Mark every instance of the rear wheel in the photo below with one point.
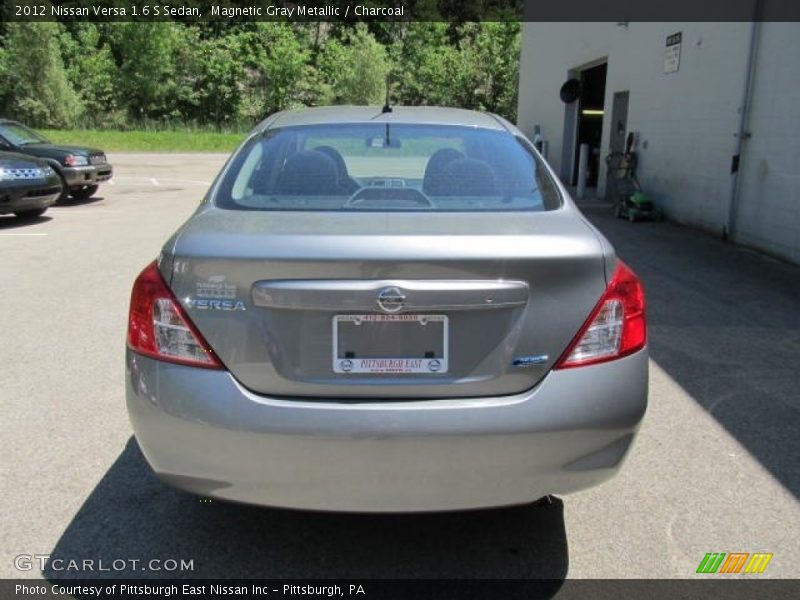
(30, 214)
(84, 192)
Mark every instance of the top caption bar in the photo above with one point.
(402, 10)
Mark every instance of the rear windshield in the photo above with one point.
(384, 167)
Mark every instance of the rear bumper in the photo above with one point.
(202, 432)
(89, 175)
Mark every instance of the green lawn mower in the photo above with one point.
(630, 202)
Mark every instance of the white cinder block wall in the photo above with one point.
(686, 120)
(769, 206)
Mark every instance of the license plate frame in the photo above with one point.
(391, 365)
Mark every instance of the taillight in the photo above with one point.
(75, 161)
(615, 328)
(159, 327)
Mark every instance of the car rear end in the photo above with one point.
(86, 167)
(452, 345)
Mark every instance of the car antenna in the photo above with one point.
(387, 108)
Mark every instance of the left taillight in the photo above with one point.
(158, 326)
(75, 161)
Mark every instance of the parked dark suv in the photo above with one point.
(28, 185)
(80, 169)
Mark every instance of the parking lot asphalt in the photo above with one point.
(716, 467)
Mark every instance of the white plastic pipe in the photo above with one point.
(583, 165)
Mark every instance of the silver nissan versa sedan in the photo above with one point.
(386, 310)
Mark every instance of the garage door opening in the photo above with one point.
(590, 121)
(583, 122)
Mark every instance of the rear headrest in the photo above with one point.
(467, 177)
(308, 173)
(432, 181)
(336, 157)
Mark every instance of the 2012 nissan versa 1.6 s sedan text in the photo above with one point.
(386, 310)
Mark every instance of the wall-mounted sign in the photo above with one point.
(672, 53)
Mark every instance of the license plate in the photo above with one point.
(390, 344)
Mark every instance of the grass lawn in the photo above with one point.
(147, 141)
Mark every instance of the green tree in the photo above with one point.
(474, 65)
(219, 89)
(183, 92)
(34, 79)
(356, 67)
(5, 85)
(226, 74)
(489, 75)
(92, 72)
(276, 64)
(149, 78)
(426, 65)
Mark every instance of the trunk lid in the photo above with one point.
(485, 303)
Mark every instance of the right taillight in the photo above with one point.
(158, 326)
(615, 328)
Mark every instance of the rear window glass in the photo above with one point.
(386, 167)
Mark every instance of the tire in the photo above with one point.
(64, 190)
(30, 214)
(84, 192)
(544, 501)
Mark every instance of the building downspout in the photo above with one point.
(729, 229)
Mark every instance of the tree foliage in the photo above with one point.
(34, 81)
(92, 72)
(356, 68)
(229, 75)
